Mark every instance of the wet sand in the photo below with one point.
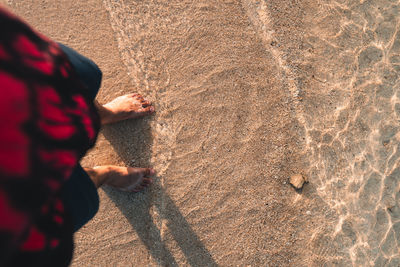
(350, 89)
(247, 93)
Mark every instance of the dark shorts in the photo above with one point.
(79, 193)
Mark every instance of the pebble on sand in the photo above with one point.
(297, 180)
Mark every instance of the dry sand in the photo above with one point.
(247, 94)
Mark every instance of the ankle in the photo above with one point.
(98, 175)
(104, 113)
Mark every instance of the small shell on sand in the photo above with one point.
(297, 180)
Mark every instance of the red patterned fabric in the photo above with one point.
(47, 123)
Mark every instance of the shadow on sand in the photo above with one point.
(132, 141)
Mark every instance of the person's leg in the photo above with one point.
(80, 197)
(79, 193)
(89, 73)
(124, 107)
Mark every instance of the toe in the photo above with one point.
(146, 103)
(144, 185)
(149, 172)
(148, 110)
(138, 188)
(147, 181)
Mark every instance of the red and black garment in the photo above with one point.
(47, 123)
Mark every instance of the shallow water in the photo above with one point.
(343, 67)
(349, 89)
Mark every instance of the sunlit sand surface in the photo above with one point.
(247, 94)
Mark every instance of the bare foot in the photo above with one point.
(125, 107)
(123, 178)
